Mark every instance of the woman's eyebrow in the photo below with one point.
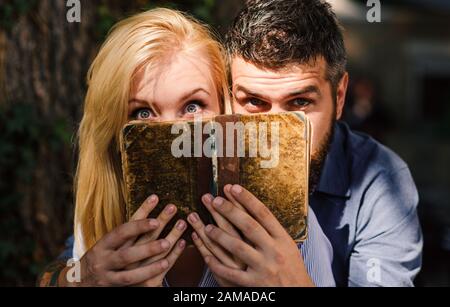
(153, 106)
(138, 101)
(193, 92)
(184, 97)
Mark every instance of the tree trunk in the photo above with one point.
(43, 64)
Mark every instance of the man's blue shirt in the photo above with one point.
(366, 203)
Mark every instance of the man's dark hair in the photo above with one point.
(274, 33)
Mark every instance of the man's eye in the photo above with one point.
(299, 102)
(193, 108)
(144, 113)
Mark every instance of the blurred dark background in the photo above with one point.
(399, 93)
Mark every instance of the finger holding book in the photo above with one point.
(207, 247)
(163, 218)
(169, 256)
(173, 256)
(199, 234)
(205, 252)
(176, 246)
(143, 213)
(172, 238)
(218, 218)
(250, 228)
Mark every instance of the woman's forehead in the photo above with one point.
(174, 80)
(180, 70)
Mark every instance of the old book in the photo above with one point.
(268, 154)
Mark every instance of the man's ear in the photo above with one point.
(341, 93)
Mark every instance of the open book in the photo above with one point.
(268, 154)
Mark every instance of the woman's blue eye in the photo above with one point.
(144, 113)
(192, 108)
(256, 102)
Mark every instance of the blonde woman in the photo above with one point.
(158, 65)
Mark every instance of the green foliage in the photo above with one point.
(201, 9)
(22, 132)
(204, 10)
(106, 20)
(10, 10)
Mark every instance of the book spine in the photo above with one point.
(228, 165)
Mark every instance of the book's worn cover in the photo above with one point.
(149, 167)
(284, 187)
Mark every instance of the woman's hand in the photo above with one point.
(209, 248)
(176, 246)
(120, 259)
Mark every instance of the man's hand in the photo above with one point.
(270, 255)
(209, 248)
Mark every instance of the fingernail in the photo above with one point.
(207, 259)
(152, 198)
(182, 244)
(227, 188)
(165, 244)
(165, 264)
(180, 225)
(170, 209)
(195, 236)
(208, 228)
(153, 223)
(218, 201)
(208, 198)
(193, 217)
(236, 189)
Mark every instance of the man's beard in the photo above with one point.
(319, 156)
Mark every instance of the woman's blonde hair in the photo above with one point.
(143, 40)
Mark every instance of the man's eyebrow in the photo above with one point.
(307, 90)
(240, 88)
